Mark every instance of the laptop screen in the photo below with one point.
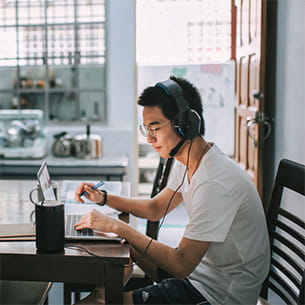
(45, 182)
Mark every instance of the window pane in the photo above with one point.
(8, 47)
(63, 106)
(30, 12)
(7, 101)
(31, 45)
(32, 77)
(8, 77)
(62, 76)
(90, 11)
(91, 43)
(92, 77)
(7, 13)
(61, 44)
(32, 100)
(92, 106)
(61, 11)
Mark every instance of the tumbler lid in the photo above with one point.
(51, 203)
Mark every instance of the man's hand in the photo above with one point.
(93, 195)
(97, 221)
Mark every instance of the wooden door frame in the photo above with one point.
(268, 154)
(270, 107)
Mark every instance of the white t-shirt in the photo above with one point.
(225, 209)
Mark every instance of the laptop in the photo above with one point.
(73, 210)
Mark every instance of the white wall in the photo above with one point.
(290, 83)
(121, 79)
(121, 63)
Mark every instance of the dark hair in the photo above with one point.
(155, 96)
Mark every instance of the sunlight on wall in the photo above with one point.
(184, 31)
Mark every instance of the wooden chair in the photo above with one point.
(25, 293)
(286, 278)
(138, 279)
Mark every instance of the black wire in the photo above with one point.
(82, 249)
(165, 213)
(157, 229)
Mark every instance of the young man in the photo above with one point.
(223, 256)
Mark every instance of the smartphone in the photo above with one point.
(100, 183)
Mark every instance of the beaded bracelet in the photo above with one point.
(105, 198)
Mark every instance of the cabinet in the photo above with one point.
(111, 169)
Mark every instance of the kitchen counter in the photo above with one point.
(106, 168)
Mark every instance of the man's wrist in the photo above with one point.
(105, 198)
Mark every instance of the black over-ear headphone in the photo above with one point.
(187, 121)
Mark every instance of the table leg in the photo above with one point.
(114, 287)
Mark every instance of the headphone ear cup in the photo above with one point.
(179, 124)
(193, 124)
(179, 131)
(187, 124)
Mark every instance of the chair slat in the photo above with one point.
(289, 244)
(276, 277)
(280, 293)
(286, 272)
(291, 231)
(288, 259)
(300, 222)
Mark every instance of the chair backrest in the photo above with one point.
(160, 181)
(287, 237)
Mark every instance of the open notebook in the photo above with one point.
(74, 210)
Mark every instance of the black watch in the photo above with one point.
(105, 199)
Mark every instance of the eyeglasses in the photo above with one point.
(147, 129)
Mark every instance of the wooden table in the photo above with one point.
(19, 260)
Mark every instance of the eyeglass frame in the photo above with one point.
(146, 129)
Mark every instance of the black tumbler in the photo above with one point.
(50, 226)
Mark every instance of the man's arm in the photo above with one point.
(179, 261)
(152, 209)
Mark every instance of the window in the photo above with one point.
(183, 31)
(52, 57)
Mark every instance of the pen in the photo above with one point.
(100, 183)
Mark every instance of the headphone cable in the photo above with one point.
(165, 213)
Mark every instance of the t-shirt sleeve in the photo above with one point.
(212, 214)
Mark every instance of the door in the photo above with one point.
(250, 72)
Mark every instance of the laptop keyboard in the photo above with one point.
(71, 220)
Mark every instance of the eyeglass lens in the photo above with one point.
(143, 129)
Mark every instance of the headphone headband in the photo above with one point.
(187, 121)
(172, 88)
